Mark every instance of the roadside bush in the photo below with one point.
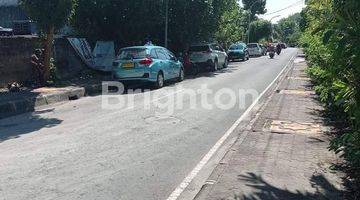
(331, 41)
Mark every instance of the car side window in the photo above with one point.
(166, 53)
(161, 54)
(153, 54)
(172, 56)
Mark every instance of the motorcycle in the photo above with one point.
(271, 50)
(271, 54)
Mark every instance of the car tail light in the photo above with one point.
(146, 61)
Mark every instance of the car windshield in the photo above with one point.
(199, 48)
(252, 45)
(236, 47)
(133, 53)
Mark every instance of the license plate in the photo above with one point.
(128, 65)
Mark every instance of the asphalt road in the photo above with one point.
(78, 150)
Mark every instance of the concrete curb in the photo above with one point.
(29, 104)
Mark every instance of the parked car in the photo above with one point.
(6, 31)
(152, 64)
(238, 51)
(263, 49)
(208, 56)
(254, 49)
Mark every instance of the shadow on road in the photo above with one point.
(15, 127)
(267, 191)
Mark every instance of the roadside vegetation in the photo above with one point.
(50, 16)
(132, 22)
(331, 41)
(288, 30)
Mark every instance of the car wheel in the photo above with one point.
(226, 63)
(160, 80)
(215, 66)
(181, 75)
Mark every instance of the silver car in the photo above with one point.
(255, 49)
(209, 56)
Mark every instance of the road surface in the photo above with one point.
(78, 150)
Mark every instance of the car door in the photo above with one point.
(165, 65)
(174, 63)
(220, 54)
(223, 54)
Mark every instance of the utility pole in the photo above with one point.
(166, 22)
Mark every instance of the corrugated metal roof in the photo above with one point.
(8, 2)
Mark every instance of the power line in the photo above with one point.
(292, 5)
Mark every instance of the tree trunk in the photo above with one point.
(48, 52)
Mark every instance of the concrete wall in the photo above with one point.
(15, 55)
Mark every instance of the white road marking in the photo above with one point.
(185, 183)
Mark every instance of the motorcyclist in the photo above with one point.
(271, 50)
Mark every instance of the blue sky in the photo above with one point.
(292, 7)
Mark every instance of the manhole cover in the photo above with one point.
(289, 127)
(298, 92)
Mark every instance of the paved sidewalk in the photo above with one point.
(284, 155)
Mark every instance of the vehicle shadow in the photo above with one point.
(264, 190)
(229, 69)
(15, 127)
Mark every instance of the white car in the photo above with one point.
(210, 56)
(255, 49)
(6, 31)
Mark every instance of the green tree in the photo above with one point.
(131, 22)
(50, 15)
(288, 29)
(256, 7)
(260, 29)
(231, 27)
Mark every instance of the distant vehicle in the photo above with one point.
(6, 31)
(208, 56)
(238, 51)
(263, 49)
(283, 45)
(254, 49)
(152, 64)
